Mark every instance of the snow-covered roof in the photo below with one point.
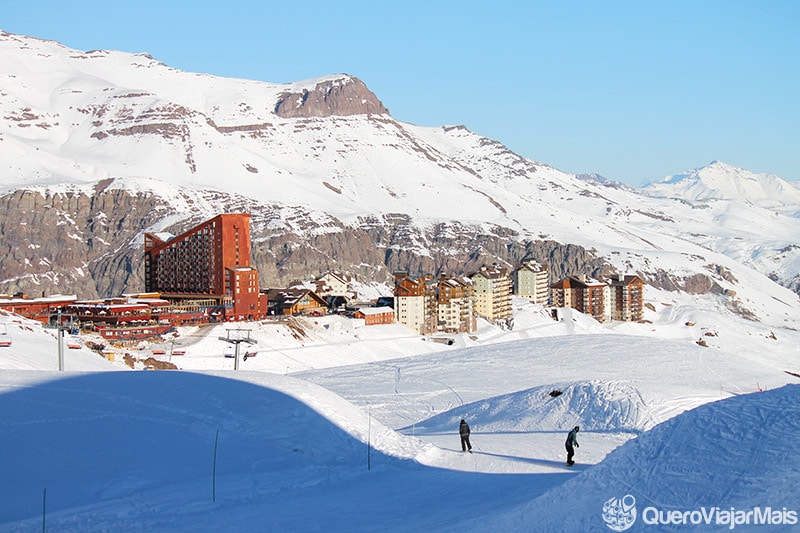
(370, 311)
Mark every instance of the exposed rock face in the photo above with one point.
(72, 243)
(346, 96)
(91, 246)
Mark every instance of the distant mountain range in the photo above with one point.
(720, 181)
(100, 146)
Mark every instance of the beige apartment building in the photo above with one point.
(492, 286)
(531, 280)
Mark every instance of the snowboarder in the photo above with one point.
(463, 430)
(571, 444)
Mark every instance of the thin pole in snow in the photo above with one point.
(60, 337)
(44, 508)
(214, 471)
(369, 440)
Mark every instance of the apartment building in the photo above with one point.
(492, 286)
(415, 303)
(427, 306)
(582, 293)
(621, 298)
(455, 304)
(627, 298)
(531, 280)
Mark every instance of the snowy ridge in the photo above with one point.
(720, 181)
(727, 455)
(598, 406)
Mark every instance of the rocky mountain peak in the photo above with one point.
(331, 97)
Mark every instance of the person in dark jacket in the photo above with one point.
(571, 444)
(463, 430)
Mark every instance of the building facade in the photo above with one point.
(333, 284)
(427, 306)
(373, 316)
(627, 298)
(415, 303)
(455, 303)
(39, 309)
(581, 293)
(531, 280)
(296, 301)
(492, 293)
(211, 260)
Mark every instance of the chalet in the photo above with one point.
(296, 301)
(375, 315)
(333, 284)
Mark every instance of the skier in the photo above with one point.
(463, 430)
(571, 444)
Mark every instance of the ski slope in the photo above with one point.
(303, 438)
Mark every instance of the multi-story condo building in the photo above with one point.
(446, 305)
(415, 303)
(455, 302)
(492, 293)
(621, 298)
(582, 293)
(208, 262)
(627, 298)
(531, 280)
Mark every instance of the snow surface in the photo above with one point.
(364, 169)
(338, 426)
(334, 425)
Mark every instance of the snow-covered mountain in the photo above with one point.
(100, 146)
(719, 181)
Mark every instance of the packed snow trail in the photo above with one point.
(737, 453)
(127, 451)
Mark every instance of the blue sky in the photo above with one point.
(633, 90)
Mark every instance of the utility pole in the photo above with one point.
(236, 337)
(60, 337)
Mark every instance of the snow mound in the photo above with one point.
(595, 405)
(93, 438)
(737, 453)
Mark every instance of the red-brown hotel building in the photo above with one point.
(209, 262)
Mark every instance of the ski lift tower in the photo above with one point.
(236, 337)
